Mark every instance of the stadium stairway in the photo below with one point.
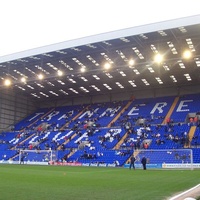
(119, 114)
(121, 141)
(72, 153)
(135, 153)
(73, 119)
(14, 156)
(65, 125)
(73, 136)
(171, 110)
(22, 142)
(43, 116)
(190, 135)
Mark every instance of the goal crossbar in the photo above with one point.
(167, 158)
(37, 156)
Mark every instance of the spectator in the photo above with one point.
(132, 162)
(145, 145)
(116, 162)
(144, 162)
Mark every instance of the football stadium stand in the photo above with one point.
(107, 134)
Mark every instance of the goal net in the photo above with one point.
(165, 158)
(37, 156)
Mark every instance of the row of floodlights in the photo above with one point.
(8, 82)
(157, 59)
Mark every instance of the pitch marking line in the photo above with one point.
(185, 192)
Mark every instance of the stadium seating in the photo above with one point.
(87, 129)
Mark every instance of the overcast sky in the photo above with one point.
(27, 24)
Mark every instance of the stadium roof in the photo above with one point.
(85, 62)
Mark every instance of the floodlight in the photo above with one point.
(187, 54)
(158, 58)
(7, 82)
(82, 69)
(60, 73)
(40, 76)
(23, 80)
(131, 62)
(107, 66)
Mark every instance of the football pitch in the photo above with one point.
(28, 182)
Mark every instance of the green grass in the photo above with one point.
(22, 182)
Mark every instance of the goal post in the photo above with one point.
(37, 156)
(165, 158)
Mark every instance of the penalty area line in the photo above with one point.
(179, 195)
